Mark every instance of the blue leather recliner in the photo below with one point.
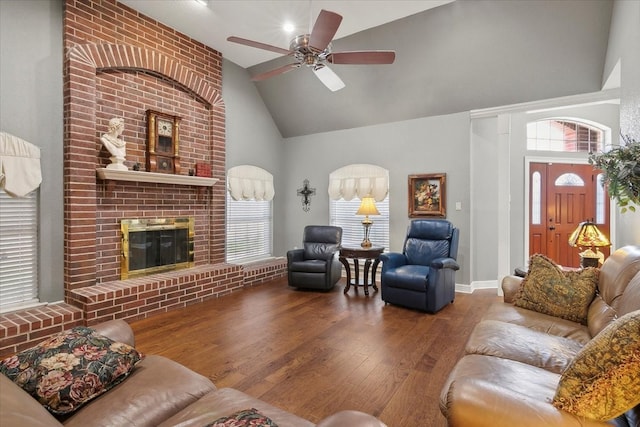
(316, 265)
(422, 277)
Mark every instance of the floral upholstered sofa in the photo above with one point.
(95, 377)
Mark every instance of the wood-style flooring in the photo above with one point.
(315, 353)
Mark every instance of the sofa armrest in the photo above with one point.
(440, 263)
(117, 330)
(483, 404)
(18, 408)
(510, 286)
(351, 419)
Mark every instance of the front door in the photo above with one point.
(561, 196)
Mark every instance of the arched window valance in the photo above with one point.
(359, 180)
(20, 172)
(248, 182)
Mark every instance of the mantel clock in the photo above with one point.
(162, 143)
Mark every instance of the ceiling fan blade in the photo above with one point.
(328, 78)
(363, 57)
(259, 45)
(275, 72)
(324, 29)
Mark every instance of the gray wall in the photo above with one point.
(31, 108)
(252, 137)
(428, 145)
(460, 56)
(624, 42)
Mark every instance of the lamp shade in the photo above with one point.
(588, 235)
(368, 207)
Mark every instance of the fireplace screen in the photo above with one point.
(155, 245)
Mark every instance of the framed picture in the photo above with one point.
(427, 195)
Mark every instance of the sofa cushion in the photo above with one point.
(516, 379)
(157, 389)
(71, 368)
(538, 321)
(225, 401)
(516, 342)
(244, 418)
(550, 290)
(602, 382)
(410, 276)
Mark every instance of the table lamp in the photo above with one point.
(587, 235)
(367, 207)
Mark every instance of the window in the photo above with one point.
(536, 205)
(343, 214)
(249, 230)
(564, 135)
(569, 180)
(601, 200)
(18, 250)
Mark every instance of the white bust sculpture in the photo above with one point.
(116, 146)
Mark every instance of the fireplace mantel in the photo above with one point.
(160, 178)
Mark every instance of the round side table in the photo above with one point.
(371, 257)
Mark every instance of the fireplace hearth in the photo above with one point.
(155, 245)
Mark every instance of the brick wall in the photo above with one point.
(119, 63)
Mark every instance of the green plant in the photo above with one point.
(621, 167)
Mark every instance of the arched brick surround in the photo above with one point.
(85, 61)
(124, 57)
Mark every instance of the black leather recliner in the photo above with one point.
(316, 265)
(423, 275)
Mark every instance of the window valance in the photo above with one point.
(247, 182)
(359, 180)
(20, 171)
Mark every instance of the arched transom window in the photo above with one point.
(564, 135)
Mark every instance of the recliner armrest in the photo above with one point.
(445, 263)
(392, 260)
(295, 255)
(328, 256)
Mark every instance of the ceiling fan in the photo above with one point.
(314, 51)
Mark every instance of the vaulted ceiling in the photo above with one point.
(451, 56)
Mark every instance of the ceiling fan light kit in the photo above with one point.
(314, 50)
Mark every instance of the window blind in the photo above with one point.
(18, 250)
(249, 230)
(343, 214)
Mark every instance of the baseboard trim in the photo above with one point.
(484, 284)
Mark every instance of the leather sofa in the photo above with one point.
(159, 392)
(515, 357)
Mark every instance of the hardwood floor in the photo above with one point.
(315, 353)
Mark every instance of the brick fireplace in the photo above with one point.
(119, 63)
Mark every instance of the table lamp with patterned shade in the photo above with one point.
(367, 207)
(587, 235)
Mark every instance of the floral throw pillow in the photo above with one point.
(71, 368)
(247, 417)
(550, 290)
(602, 381)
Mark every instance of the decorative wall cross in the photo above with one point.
(306, 192)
